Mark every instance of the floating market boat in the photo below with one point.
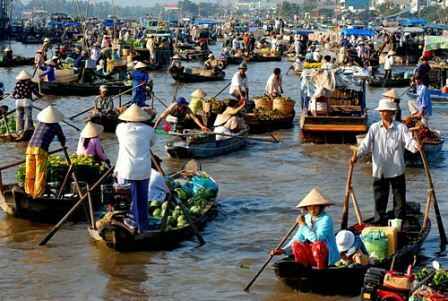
(81, 89)
(259, 125)
(348, 280)
(196, 75)
(234, 60)
(13, 137)
(257, 57)
(17, 61)
(388, 83)
(205, 145)
(338, 116)
(118, 233)
(110, 120)
(433, 152)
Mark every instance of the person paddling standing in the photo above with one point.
(239, 87)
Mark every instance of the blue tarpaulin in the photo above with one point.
(204, 22)
(303, 32)
(108, 22)
(359, 32)
(413, 22)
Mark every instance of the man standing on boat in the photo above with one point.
(140, 79)
(273, 86)
(423, 70)
(421, 108)
(387, 140)
(239, 87)
(133, 166)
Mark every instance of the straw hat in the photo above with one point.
(23, 75)
(46, 40)
(386, 105)
(344, 240)
(104, 88)
(199, 93)
(50, 115)
(91, 130)
(140, 65)
(390, 94)
(313, 198)
(134, 114)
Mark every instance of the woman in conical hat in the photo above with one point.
(197, 98)
(90, 144)
(314, 244)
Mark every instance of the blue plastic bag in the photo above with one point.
(203, 183)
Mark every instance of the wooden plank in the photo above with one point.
(335, 127)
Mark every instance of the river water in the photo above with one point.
(259, 188)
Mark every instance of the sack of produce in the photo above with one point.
(284, 105)
(204, 182)
(376, 243)
(263, 103)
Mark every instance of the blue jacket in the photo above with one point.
(321, 230)
(139, 94)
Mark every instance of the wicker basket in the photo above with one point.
(283, 106)
(263, 103)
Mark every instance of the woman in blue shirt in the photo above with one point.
(314, 240)
(140, 79)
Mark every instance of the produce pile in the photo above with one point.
(11, 125)
(307, 65)
(197, 193)
(424, 134)
(86, 169)
(218, 106)
(268, 115)
(435, 289)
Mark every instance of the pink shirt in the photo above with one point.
(94, 149)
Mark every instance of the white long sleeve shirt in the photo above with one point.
(273, 85)
(238, 82)
(134, 152)
(387, 147)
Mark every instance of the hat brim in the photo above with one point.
(379, 109)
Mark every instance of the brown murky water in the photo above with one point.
(259, 187)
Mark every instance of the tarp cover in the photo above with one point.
(359, 32)
(436, 42)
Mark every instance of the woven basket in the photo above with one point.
(263, 103)
(283, 106)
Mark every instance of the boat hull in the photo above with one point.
(80, 89)
(388, 83)
(258, 126)
(196, 78)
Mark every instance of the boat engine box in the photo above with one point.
(398, 281)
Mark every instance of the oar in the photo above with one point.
(282, 242)
(443, 238)
(222, 90)
(348, 186)
(182, 206)
(63, 121)
(67, 215)
(115, 96)
(160, 100)
(275, 139)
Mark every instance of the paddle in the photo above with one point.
(67, 215)
(160, 100)
(115, 96)
(63, 121)
(274, 139)
(282, 242)
(222, 90)
(432, 196)
(178, 202)
(348, 185)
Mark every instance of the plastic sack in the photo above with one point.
(203, 182)
(376, 243)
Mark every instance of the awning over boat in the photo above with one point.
(358, 32)
(436, 42)
(413, 22)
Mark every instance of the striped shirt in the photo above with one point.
(44, 134)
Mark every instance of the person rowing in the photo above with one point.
(314, 243)
(228, 123)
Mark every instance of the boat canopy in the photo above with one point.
(413, 22)
(358, 32)
(436, 42)
(204, 22)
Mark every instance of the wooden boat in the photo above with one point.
(388, 83)
(264, 58)
(234, 60)
(110, 120)
(349, 280)
(13, 137)
(258, 126)
(432, 150)
(210, 147)
(196, 75)
(81, 89)
(17, 61)
(117, 234)
(435, 94)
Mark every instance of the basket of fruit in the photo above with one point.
(263, 103)
(284, 105)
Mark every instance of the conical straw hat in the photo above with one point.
(313, 198)
(50, 115)
(134, 114)
(390, 94)
(91, 130)
(140, 65)
(23, 75)
(198, 93)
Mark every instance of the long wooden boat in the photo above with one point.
(206, 149)
(264, 58)
(388, 83)
(17, 61)
(435, 94)
(433, 152)
(349, 280)
(117, 234)
(258, 126)
(234, 60)
(190, 77)
(13, 137)
(81, 89)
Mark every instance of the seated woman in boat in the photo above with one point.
(176, 64)
(103, 102)
(179, 113)
(90, 144)
(228, 123)
(314, 244)
(351, 249)
(157, 190)
(197, 99)
(49, 71)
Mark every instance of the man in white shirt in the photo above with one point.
(238, 87)
(388, 63)
(274, 84)
(387, 140)
(236, 43)
(134, 160)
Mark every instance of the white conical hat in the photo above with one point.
(134, 114)
(50, 115)
(23, 75)
(198, 93)
(386, 105)
(390, 94)
(91, 130)
(314, 197)
(140, 65)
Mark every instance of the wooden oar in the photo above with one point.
(273, 140)
(178, 202)
(115, 96)
(160, 100)
(63, 121)
(70, 212)
(282, 242)
(348, 185)
(222, 90)
(432, 196)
